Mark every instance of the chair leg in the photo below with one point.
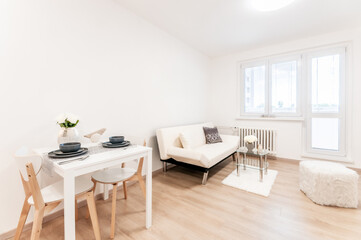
(142, 185)
(87, 215)
(37, 224)
(94, 186)
(114, 206)
(93, 214)
(125, 189)
(22, 219)
(76, 210)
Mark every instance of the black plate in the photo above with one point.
(117, 144)
(111, 145)
(59, 152)
(53, 155)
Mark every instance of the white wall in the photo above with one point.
(222, 109)
(95, 59)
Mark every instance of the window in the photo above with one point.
(326, 115)
(325, 133)
(309, 86)
(255, 85)
(325, 83)
(270, 88)
(284, 87)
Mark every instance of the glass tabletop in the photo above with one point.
(255, 151)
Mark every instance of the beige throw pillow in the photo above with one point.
(186, 140)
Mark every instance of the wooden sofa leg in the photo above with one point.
(164, 166)
(234, 157)
(205, 177)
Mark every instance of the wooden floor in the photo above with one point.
(185, 209)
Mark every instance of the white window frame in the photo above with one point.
(242, 87)
(341, 115)
(267, 62)
(304, 103)
(298, 59)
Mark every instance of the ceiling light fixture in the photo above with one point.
(269, 5)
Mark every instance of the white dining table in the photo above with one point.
(94, 162)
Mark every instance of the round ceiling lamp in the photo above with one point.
(269, 5)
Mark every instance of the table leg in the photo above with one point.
(238, 162)
(266, 164)
(261, 168)
(148, 204)
(69, 206)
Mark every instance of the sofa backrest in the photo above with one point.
(169, 137)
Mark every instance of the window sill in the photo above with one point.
(326, 157)
(296, 119)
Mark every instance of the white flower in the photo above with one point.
(72, 118)
(250, 139)
(61, 118)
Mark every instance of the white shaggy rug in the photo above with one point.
(249, 181)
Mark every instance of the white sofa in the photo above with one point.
(198, 154)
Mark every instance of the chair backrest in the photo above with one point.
(141, 160)
(29, 165)
(32, 187)
(95, 136)
(25, 156)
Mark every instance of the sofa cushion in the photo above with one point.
(206, 155)
(211, 135)
(213, 153)
(185, 155)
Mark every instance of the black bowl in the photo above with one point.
(116, 139)
(69, 147)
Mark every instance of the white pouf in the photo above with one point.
(328, 183)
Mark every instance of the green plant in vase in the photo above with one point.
(68, 132)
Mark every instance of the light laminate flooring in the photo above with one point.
(185, 209)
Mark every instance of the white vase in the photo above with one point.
(250, 147)
(68, 135)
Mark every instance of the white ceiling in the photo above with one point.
(218, 27)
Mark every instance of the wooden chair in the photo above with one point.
(46, 199)
(95, 136)
(116, 175)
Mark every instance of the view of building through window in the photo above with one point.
(271, 88)
(255, 85)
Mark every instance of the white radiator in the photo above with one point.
(266, 137)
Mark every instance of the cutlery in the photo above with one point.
(72, 160)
